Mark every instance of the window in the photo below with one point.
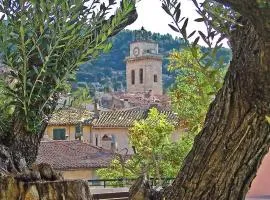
(96, 136)
(113, 139)
(155, 78)
(78, 131)
(78, 128)
(114, 142)
(59, 134)
(132, 77)
(141, 76)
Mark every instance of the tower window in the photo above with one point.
(155, 78)
(141, 76)
(132, 77)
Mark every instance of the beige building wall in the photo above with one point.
(143, 46)
(84, 174)
(151, 67)
(70, 132)
(144, 55)
(120, 134)
(86, 133)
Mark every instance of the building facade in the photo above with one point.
(144, 68)
(70, 124)
(116, 125)
(75, 124)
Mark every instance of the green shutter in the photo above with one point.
(78, 128)
(59, 134)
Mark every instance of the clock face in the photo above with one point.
(136, 51)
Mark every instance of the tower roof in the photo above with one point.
(142, 35)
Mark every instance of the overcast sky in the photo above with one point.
(153, 18)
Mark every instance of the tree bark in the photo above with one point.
(25, 145)
(19, 148)
(236, 136)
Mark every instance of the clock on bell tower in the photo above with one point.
(136, 51)
(144, 68)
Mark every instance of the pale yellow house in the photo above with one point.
(78, 142)
(70, 124)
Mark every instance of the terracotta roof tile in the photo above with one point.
(70, 116)
(126, 118)
(75, 154)
(142, 99)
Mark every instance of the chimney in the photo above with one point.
(96, 112)
(148, 94)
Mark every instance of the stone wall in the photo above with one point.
(12, 189)
(82, 174)
(151, 65)
(144, 58)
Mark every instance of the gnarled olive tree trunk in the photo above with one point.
(236, 135)
(19, 147)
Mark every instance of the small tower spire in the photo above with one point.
(141, 35)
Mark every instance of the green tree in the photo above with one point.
(81, 97)
(156, 155)
(194, 88)
(150, 137)
(42, 44)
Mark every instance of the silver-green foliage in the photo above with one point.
(199, 74)
(44, 42)
(193, 89)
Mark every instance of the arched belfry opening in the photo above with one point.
(143, 63)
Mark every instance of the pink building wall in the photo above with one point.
(260, 186)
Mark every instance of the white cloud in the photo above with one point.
(153, 18)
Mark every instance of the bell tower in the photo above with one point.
(144, 66)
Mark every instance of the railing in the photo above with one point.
(118, 196)
(124, 182)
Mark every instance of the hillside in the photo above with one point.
(108, 70)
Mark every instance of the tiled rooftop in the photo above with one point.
(126, 118)
(114, 118)
(70, 116)
(144, 99)
(75, 154)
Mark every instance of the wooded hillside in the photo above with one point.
(109, 69)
